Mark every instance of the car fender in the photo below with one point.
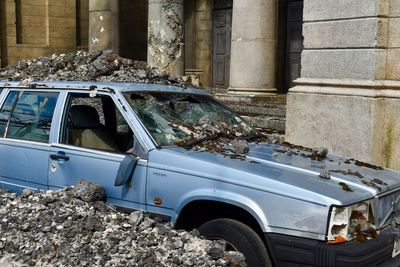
(238, 200)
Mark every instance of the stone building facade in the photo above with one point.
(339, 57)
(230, 44)
(31, 28)
(348, 96)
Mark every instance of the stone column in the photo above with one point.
(253, 47)
(166, 35)
(348, 96)
(204, 39)
(103, 25)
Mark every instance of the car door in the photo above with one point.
(25, 125)
(93, 140)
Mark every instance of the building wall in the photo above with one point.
(393, 50)
(190, 31)
(203, 39)
(31, 18)
(41, 27)
(82, 23)
(1, 31)
(348, 98)
(133, 16)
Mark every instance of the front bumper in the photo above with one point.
(292, 251)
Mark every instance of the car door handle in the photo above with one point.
(59, 156)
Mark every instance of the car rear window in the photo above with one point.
(27, 115)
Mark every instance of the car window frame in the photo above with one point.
(64, 113)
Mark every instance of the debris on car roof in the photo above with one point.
(100, 66)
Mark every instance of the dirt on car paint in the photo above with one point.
(348, 172)
(345, 187)
(367, 165)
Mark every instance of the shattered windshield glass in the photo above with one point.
(185, 119)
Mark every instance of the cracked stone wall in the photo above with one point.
(166, 35)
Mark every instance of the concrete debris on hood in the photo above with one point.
(315, 154)
(100, 66)
(60, 229)
(230, 141)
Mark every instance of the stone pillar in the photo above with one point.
(348, 96)
(253, 47)
(204, 39)
(166, 35)
(3, 35)
(103, 25)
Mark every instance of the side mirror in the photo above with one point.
(125, 170)
(138, 150)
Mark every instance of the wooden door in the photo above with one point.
(294, 42)
(222, 43)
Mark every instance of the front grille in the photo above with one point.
(383, 204)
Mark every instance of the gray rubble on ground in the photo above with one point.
(61, 229)
(100, 66)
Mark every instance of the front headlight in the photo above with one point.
(355, 222)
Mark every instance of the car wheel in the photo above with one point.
(239, 237)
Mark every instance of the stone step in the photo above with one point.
(250, 110)
(276, 123)
(264, 111)
(254, 100)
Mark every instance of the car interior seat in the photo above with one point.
(87, 131)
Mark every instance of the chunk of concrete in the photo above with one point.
(88, 191)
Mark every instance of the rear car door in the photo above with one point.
(25, 125)
(94, 138)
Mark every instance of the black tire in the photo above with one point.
(241, 237)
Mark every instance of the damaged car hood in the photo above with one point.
(277, 169)
(351, 175)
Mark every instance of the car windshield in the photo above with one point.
(183, 118)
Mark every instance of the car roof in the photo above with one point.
(108, 86)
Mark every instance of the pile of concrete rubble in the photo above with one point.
(100, 66)
(73, 227)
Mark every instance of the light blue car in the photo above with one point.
(158, 149)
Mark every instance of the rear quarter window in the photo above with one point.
(27, 115)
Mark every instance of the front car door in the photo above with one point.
(93, 140)
(25, 125)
